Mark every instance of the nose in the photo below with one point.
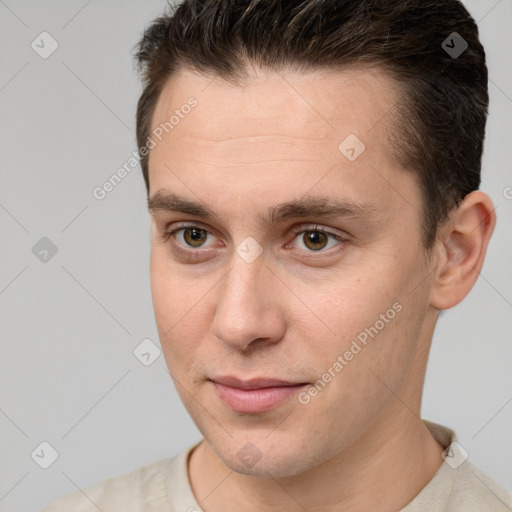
(249, 312)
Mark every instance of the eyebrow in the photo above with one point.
(318, 206)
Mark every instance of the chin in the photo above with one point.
(267, 461)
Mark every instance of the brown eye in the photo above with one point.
(194, 237)
(315, 240)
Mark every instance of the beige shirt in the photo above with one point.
(164, 487)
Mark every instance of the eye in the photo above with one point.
(317, 239)
(187, 237)
(191, 236)
(309, 238)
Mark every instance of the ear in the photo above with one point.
(460, 249)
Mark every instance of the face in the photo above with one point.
(301, 261)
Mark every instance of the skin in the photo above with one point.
(360, 442)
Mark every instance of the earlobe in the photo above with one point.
(462, 245)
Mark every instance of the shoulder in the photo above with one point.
(125, 492)
(473, 490)
(458, 486)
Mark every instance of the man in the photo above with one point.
(312, 170)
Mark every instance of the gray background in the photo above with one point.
(68, 375)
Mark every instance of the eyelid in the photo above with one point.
(295, 230)
(315, 227)
(329, 232)
(168, 233)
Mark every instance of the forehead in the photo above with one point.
(276, 137)
(314, 104)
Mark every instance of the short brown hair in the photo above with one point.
(439, 123)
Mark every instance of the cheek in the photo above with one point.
(174, 290)
(348, 304)
(179, 310)
(371, 320)
(355, 377)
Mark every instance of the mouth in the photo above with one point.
(256, 395)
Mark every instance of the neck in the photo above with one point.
(385, 469)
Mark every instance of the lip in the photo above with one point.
(255, 395)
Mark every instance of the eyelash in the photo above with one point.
(305, 228)
(302, 228)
